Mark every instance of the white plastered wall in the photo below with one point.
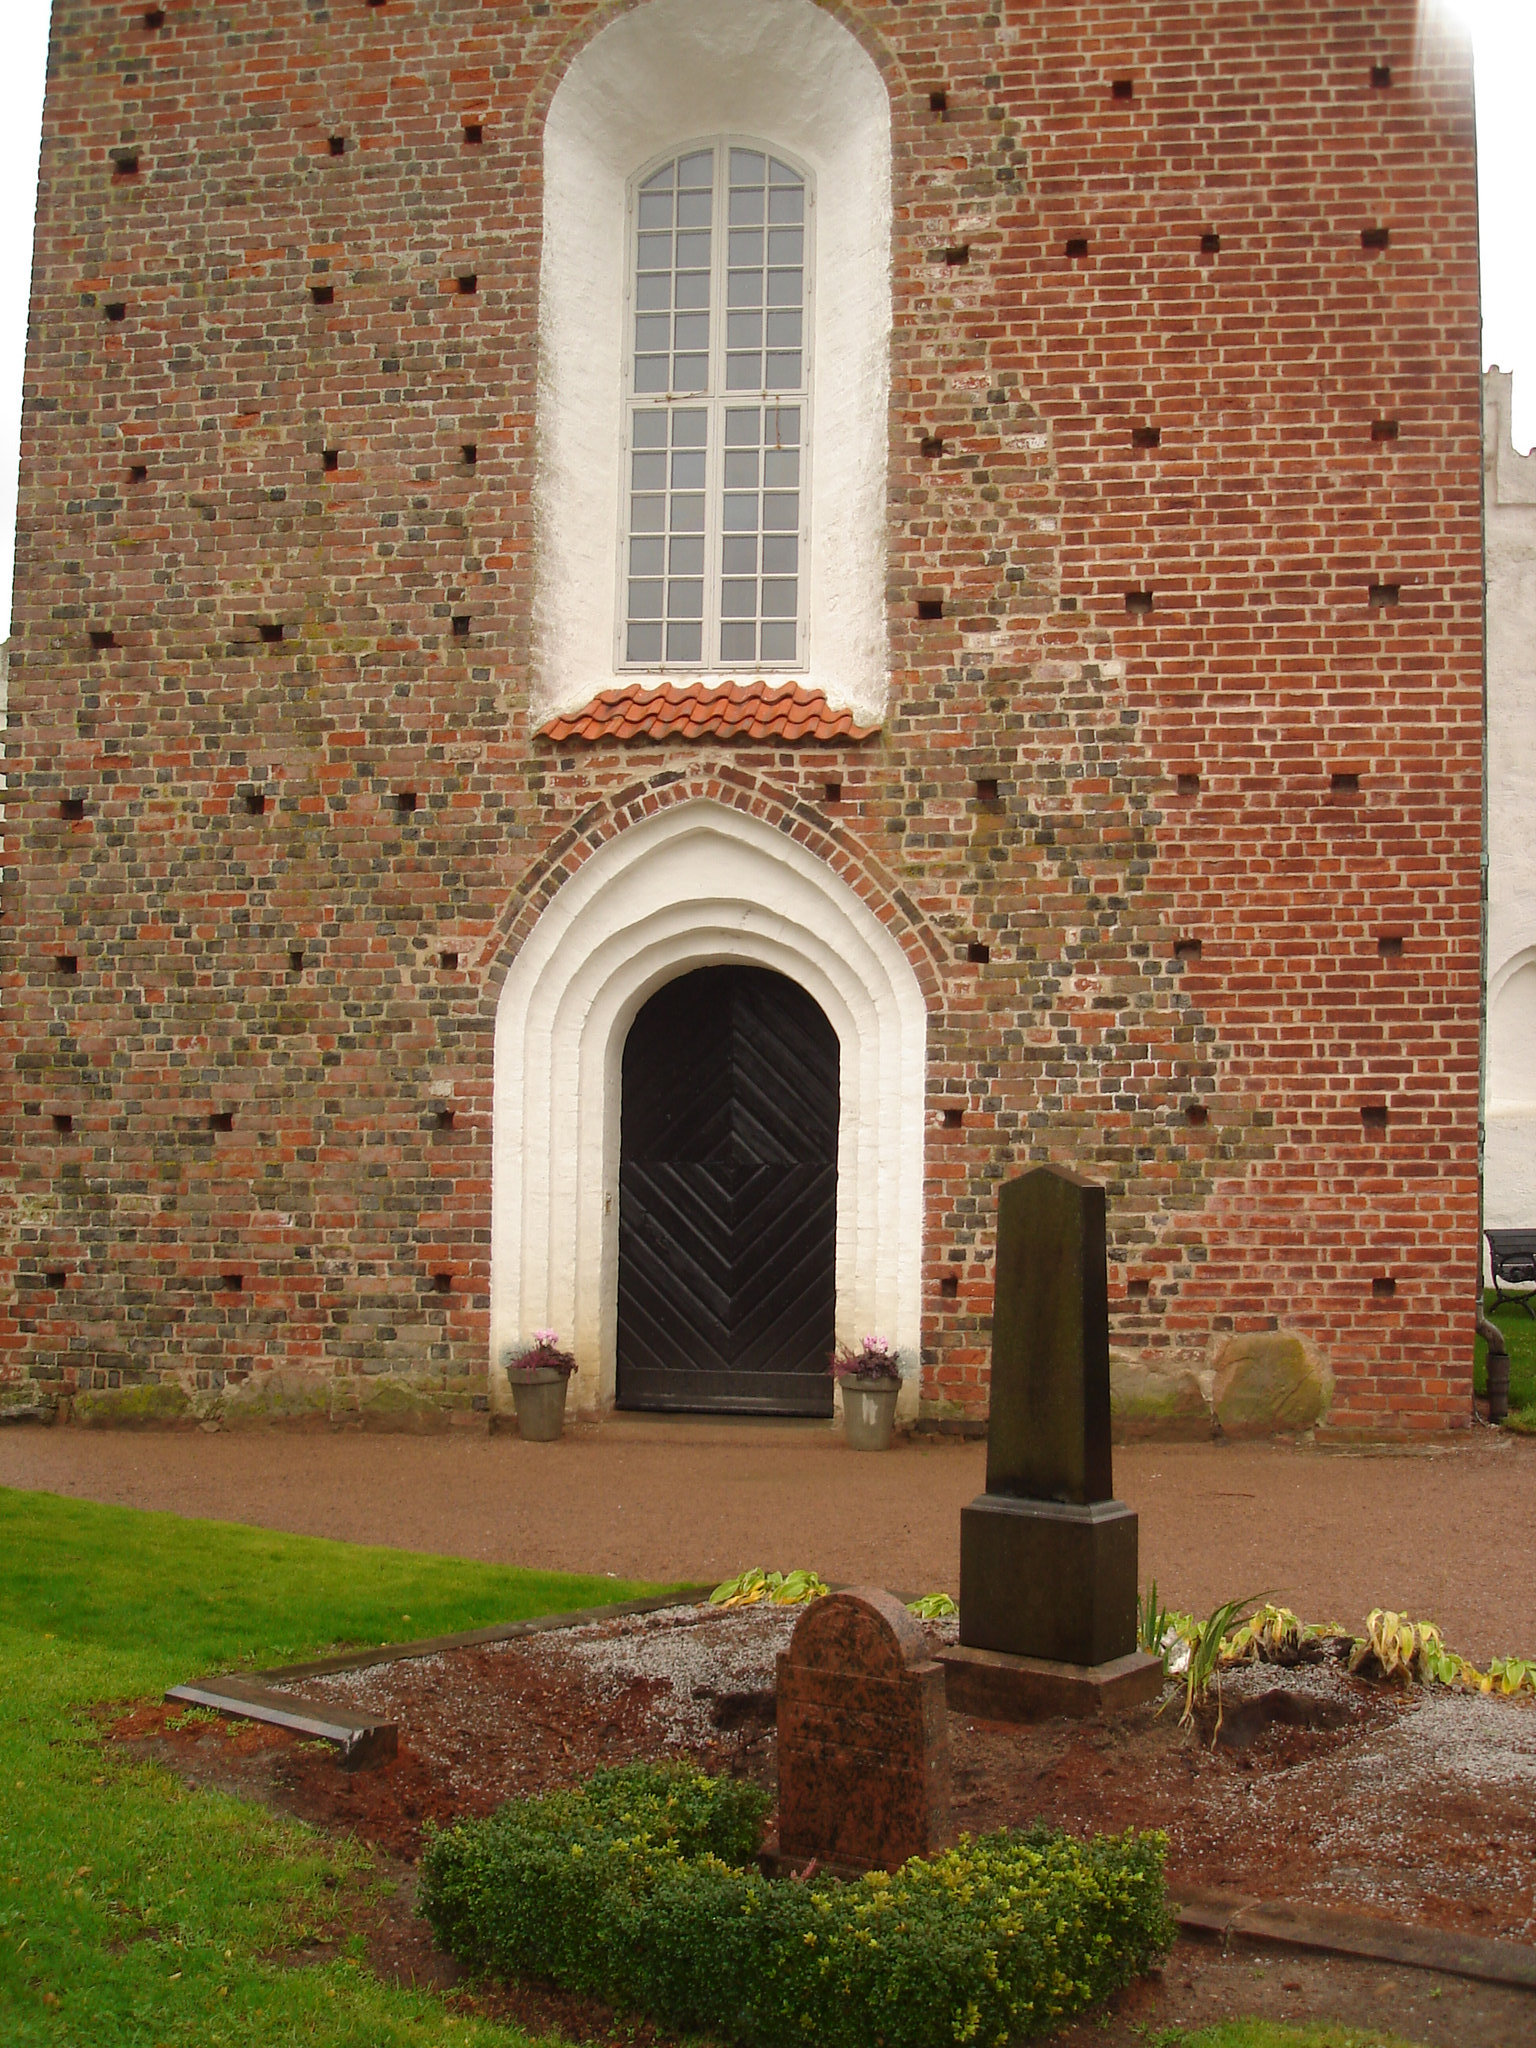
(1509, 507)
(695, 887)
(664, 74)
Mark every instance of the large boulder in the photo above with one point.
(396, 1408)
(154, 1404)
(284, 1397)
(27, 1401)
(1156, 1398)
(274, 1396)
(1269, 1383)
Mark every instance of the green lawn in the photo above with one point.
(1520, 1335)
(135, 1913)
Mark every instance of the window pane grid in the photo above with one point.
(760, 537)
(669, 476)
(673, 265)
(765, 275)
(714, 528)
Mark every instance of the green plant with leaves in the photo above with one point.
(196, 1717)
(932, 1607)
(778, 1589)
(641, 1888)
(1405, 1652)
(1399, 1650)
(1394, 1649)
(1156, 1625)
(1510, 1675)
(1203, 1671)
(1277, 1635)
(1270, 1635)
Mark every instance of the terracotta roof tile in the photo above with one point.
(689, 711)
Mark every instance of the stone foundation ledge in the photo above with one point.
(1263, 1384)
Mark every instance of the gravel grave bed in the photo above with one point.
(1411, 1804)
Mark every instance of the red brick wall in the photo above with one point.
(1258, 524)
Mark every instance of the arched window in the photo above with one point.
(718, 411)
(660, 84)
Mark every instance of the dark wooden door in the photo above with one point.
(728, 1197)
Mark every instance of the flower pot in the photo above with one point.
(869, 1412)
(539, 1398)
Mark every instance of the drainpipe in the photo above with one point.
(1498, 1364)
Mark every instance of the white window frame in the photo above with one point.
(715, 401)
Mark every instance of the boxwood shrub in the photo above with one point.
(641, 1887)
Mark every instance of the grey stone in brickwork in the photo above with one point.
(1151, 1399)
(1267, 1382)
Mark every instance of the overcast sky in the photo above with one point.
(1504, 34)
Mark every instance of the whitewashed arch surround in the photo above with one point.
(698, 886)
(658, 78)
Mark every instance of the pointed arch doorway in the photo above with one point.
(727, 1282)
(699, 884)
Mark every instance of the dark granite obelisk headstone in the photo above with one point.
(1047, 1555)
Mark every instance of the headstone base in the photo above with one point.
(1051, 1579)
(997, 1687)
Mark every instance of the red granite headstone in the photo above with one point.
(863, 1736)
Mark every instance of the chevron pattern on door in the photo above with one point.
(728, 1197)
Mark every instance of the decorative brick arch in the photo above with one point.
(758, 797)
(653, 887)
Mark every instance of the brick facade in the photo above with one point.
(1176, 809)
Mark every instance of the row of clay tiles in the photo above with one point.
(686, 711)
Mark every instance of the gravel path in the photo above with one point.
(1448, 1530)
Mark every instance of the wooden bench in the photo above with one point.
(1512, 1254)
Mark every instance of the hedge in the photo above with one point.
(641, 1888)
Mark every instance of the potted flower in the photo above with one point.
(539, 1376)
(870, 1377)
